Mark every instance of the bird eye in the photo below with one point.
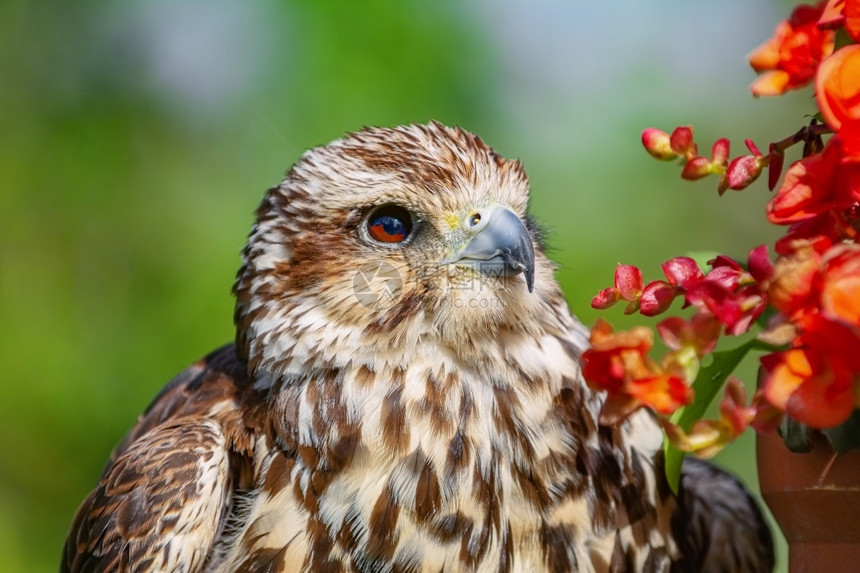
(389, 224)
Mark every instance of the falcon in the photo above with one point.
(404, 394)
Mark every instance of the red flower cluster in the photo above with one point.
(816, 185)
(816, 381)
(734, 297)
(812, 370)
(788, 60)
(816, 284)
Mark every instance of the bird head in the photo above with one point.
(384, 239)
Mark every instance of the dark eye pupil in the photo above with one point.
(389, 224)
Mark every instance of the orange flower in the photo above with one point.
(818, 383)
(617, 363)
(807, 282)
(789, 59)
(816, 184)
(665, 393)
(837, 89)
(786, 372)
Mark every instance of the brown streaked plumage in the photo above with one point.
(407, 404)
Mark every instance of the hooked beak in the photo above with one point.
(498, 244)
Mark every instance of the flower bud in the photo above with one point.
(681, 271)
(605, 298)
(657, 297)
(744, 170)
(759, 264)
(720, 151)
(658, 144)
(628, 281)
(697, 168)
(682, 140)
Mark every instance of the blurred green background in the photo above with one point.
(136, 140)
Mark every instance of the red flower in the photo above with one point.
(734, 296)
(736, 310)
(832, 16)
(840, 13)
(807, 283)
(816, 383)
(790, 58)
(613, 355)
(816, 184)
(618, 364)
(820, 232)
(837, 89)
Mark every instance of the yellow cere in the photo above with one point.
(452, 220)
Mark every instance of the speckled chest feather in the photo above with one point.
(441, 467)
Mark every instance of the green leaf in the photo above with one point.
(846, 436)
(674, 459)
(706, 387)
(796, 435)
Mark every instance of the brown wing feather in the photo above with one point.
(217, 380)
(158, 506)
(166, 491)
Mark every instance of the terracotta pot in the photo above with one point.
(815, 498)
